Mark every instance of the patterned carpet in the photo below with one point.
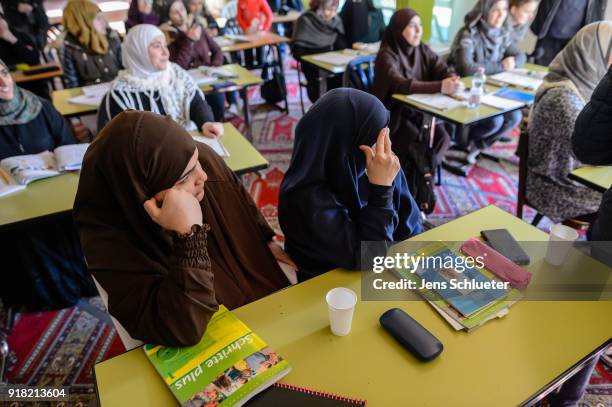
(59, 348)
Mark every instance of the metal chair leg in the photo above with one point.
(4, 348)
(537, 218)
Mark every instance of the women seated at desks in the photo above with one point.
(44, 262)
(405, 65)
(572, 77)
(151, 82)
(520, 16)
(254, 16)
(169, 231)
(92, 51)
(362, 21)
(318, 30)
(483, 42)
(341, 190)
(592, 144)
(191, 47)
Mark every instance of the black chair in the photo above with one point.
(522, 152)
(359, 73)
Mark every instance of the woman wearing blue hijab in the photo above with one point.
(328, 203)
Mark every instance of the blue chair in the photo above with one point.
(359, 73)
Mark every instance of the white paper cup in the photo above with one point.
(561, 240)
(341, 302)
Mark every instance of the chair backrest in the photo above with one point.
(359, 73)
(522, 152)
(128, 341)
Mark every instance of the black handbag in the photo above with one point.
(273, 90)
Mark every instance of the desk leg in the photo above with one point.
(279, 56)
(244, 94)
(322, 82)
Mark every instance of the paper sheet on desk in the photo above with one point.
(213, 143)
(501, 103)
(516, 79)
(336, 58)
(436, 100)
(92, 95)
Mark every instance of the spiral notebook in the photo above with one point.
(282, 394)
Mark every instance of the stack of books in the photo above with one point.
(457, 294)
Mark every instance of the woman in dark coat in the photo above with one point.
(184, 234)
(44, 260)
(337, 192)
(592, 144)
(405, 65)
(28, 17)
(318, 30)
(362, 21)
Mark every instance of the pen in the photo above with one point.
(4, 176)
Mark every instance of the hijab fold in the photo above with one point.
(582, 63)
(78, 19)
(22, 108)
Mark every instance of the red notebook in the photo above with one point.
(282, 394)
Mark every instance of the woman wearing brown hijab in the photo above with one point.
(168, 230)
(405, 65)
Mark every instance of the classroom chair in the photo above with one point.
(359, 73)
(302, 83)
(128, 342)
(522, 152)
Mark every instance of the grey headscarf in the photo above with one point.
(493, 38)
(312, 31)
(583, 61)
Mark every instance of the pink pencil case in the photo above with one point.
(495, 262)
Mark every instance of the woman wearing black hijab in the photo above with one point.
(169, 231)
(328, 204)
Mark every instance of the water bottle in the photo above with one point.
(477, 89)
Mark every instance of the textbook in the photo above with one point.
(517, 95)
(213, 143)
(517, 78)
(462, 308)
(227, 367)
(23, 169)
(283, 394)
(436, 100)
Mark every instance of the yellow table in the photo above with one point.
(598, 178)
(255, 41)
(55, 196)
(19, 77)
(462, 116)
(503, 363)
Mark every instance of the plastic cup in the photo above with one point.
(559, 244)
(341, 302)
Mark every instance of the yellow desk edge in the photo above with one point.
(502, 363)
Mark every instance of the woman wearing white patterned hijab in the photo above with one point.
(151, 82)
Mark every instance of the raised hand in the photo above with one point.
(382, 165)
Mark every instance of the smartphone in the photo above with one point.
(502, 241)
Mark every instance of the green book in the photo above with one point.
(227, 367)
